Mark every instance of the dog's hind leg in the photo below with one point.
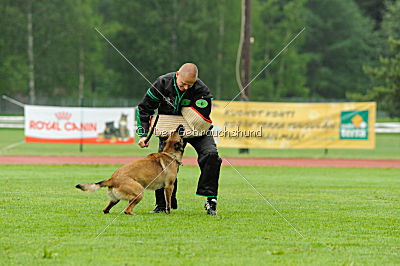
(132, 203)
(113, 201)
(109, 206)
(131, 191)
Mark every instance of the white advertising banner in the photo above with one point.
(57, 124)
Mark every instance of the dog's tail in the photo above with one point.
(94, 186)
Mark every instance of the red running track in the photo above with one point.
(294, 162)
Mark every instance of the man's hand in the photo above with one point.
(141, 142)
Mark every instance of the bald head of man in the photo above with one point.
(186, 76)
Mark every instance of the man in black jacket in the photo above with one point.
(169, 94)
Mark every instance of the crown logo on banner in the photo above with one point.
(63, 115)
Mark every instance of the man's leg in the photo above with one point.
(160, 198)
(210, 165)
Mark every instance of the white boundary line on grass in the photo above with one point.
(12, 145)
(265, 199)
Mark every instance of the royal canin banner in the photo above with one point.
(56, 124)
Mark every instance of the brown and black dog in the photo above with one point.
(155, 171)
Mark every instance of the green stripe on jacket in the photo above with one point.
(139, 124)
(152, 95)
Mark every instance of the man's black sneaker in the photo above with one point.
(211, 206)
(158, 209)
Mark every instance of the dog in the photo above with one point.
(157, 170)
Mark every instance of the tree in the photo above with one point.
(388, 94)
(390, 24)
(13, 47)
(159, 36)
(67, 57)
(275, 25)
(387, 74)
(338, 43)
(373, 9)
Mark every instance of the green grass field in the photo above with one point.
(387, 147)
(348, 217)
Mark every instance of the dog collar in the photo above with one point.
(173, 157)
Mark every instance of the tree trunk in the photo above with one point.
(220, 55)
(246, 51)
(81, 71)
(174, 35)
(246, 57)
(279, 88)
(31, 63)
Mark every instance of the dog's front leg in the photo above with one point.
(168, 194)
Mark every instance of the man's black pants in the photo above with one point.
(209, 162)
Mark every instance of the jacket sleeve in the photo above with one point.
(146, 107)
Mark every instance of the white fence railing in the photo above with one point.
(12, 121)
(387, 127)
(18, 122)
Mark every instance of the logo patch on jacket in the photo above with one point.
(185, 102)
(201, 103)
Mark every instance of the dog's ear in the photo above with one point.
(181, 130)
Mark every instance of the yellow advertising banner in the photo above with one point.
(294, 125)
